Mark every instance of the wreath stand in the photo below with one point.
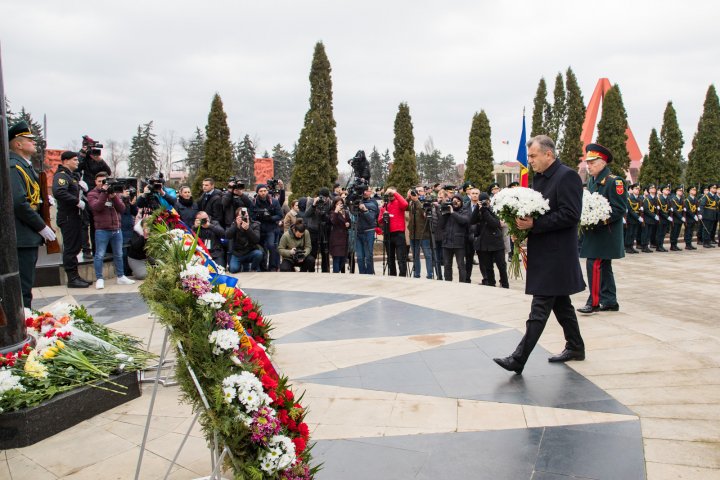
(217, 455)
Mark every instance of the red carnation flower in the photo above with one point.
(272, 395)
(252, 315)
(289, 395)
(299, 445)
(29, 322)
(268, 382)
(304, 430)
(283, 416)
(259, 339)
(291, 424)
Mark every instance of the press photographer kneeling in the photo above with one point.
(244, 238)
(212, 234)
(294, 249)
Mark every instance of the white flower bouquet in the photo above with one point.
(512, 203)
(595, 209)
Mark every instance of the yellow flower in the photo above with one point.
(50, 352)
(33, 367)
(60, 344)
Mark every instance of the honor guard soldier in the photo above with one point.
(666, 219)
(634, 218)
(66, 190)
(651, 217)
(30, 228)
(708, 207)
(677, 205)
(691, 216)
(605, 242)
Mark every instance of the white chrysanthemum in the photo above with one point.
(595, 209)
(61, 310)
(177, 235)
(43, 343)
(8, 381)
(215, 300)
(224, 340)
(519, 202)
(195, 270)
(247, 390)
(279, 455)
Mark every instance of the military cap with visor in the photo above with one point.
(595, 151)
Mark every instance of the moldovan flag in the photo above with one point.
(522, 156)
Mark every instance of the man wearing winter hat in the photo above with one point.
(604, 242)
(30, 228)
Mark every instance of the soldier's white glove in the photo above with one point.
(641, 220)
(624, 221)
(696, 218)
(699, 217)
(83, 185)
(657, 219)
(47, 234)
(670, 219)
(51, 200)
(81, 205)
(683, 220)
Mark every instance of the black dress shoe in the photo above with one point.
(77, 282)
(662, 249)
(567, 355)
(510, 364)
(708, 245)
(588, 309)
(609, 308)
(646, 250)
(674, 248)
(690, 247)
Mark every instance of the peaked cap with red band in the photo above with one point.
(596, 151)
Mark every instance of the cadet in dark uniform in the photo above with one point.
(691, 217)
(66, 191)
(708, 207)
(677, 206)
(634, 217)
(603, 243)
(30, 228)
(651, 217)
(666, 220)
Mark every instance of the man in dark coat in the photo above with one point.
(634, 218)
(708, 207)
(666, 219)
(651, 217)
(30, 228)
(553, 270)
(604, 242)
(691, 217)
(677, 205)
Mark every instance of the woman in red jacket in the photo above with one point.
(394, 229)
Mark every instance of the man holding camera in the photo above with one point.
(234, 198)
(489, 242)
(107, 208)
(267, 211)
(91, 163)
(392, 217)
(317, 221)
(454, 222)
(212, 234)
(419, 231)
(293, 248)
(244, 236)
(368, 212)
(66, 191)
(153, 196)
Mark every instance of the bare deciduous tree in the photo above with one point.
(116, 156)
(169, 143)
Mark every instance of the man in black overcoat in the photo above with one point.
(553, 269)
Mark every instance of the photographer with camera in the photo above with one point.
(154, 195)
(368, 211)
(234, 198)
(317, 221)
(473, 232)
(244, 236)
(90, 164)
(186, 207)
(293, 248)
(107, 207)
(210, 201)
(489, 242)
(212, 235)
(454, 220)
(266, 210)
(392, 217)
(127, 223)
(420, 212)
(340, 223)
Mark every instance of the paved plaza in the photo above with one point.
(400, 382)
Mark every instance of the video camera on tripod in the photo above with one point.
(91, 146)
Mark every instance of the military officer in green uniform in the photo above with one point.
(66, 190)
(604, 242)
(666, 219)
(634, 217)
(708, 207)
(691, 217)
(651, 217)
(677, 207)
(30, 228)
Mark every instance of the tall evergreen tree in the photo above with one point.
(378, 169)
(704, 157)
(479, 166)
(218, 161)
(611, 130)
(282, 163)
(321, 101)
(245, 161)
(570, 146)
(404, 171)
(541, 110)
(143, 159)
(311, 171)
(557, 114)
(651, 170)
(672, 142)
(195, 153)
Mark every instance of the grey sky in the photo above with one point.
(101, 68)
